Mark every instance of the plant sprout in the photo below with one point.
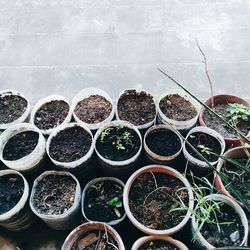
(205, 149)
(237, 112)
(114, 202)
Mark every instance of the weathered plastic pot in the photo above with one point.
(159, 159)
(200, 240)
(143, 240)
(20, 217)
(24, 117)
(83, 229)
(45, 100)
(222, 99)
(85, 93)
(118, 168)
(30, 163)
(85, 190)
(68, 219)
(164, 170)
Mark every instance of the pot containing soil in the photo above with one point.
(178, 109)
(158, 243)
(236, 176)
(15, 213)
(93, 235)
(55, 198)
(162, 145)
(50, 112)
(102, 201)
(151, 196)
(14, 108)
(137, 107)
(22, 148)
(226, 224)
(222, 107)
(93, 107)
(70, 147)
(118, 146)
(208, 143)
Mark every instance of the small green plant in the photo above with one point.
(237, 112)
(205, 149)
(114, 202)
(104, 134)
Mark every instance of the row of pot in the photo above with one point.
(56, 199)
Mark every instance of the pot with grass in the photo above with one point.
(50, 112)
(55, 198)
(102, 201)
(92, 107)
(151, 197)
(15, 213)
(93, 235)
(22, 148)
(177, 108)
(118, 146)
(137, 107)
(14, 108)
(162, 145)
(234, 110)
(155, 242)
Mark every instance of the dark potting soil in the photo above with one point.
(93, 109)
(70, 144)
(136, 107)
(157, 245)
(222, 239)
(95, 240)
(152, 196)
(11, 108)
(11, 191)
(54, 194)
(118, 143)
(213, 122)
(205, 144)
(177, 108)
(163, 142)
(20, 145)
(103, 201)
(51, 114)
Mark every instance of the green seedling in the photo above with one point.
(237, 112)
(205, 149)
(114, 202)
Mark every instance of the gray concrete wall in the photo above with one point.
(62, 46)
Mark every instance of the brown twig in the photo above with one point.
(206, 71)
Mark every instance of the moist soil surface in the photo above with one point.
(177, 108)
(93, 109)
(70, 144)
(11, 108)
(54, 194)
(103, 201)
(11, 191)
(20, 145)
(222, 239)
(157, 245)
(163, 142)
(51, 114)
(118, 143)
(152, 197)
(136, 107)
(95, 240)
(205, 144)
(213, 122)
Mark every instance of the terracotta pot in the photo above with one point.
(221, 99)
(164, 170)
(88, 227)
(233, 153)
(143, 240)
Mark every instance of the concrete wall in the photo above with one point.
(62, 46)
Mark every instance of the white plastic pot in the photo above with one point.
(85, 93)
(64, 221)
(45, 100)
(24, 117)
(31, 162)
(20, 217)
(201, 241)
